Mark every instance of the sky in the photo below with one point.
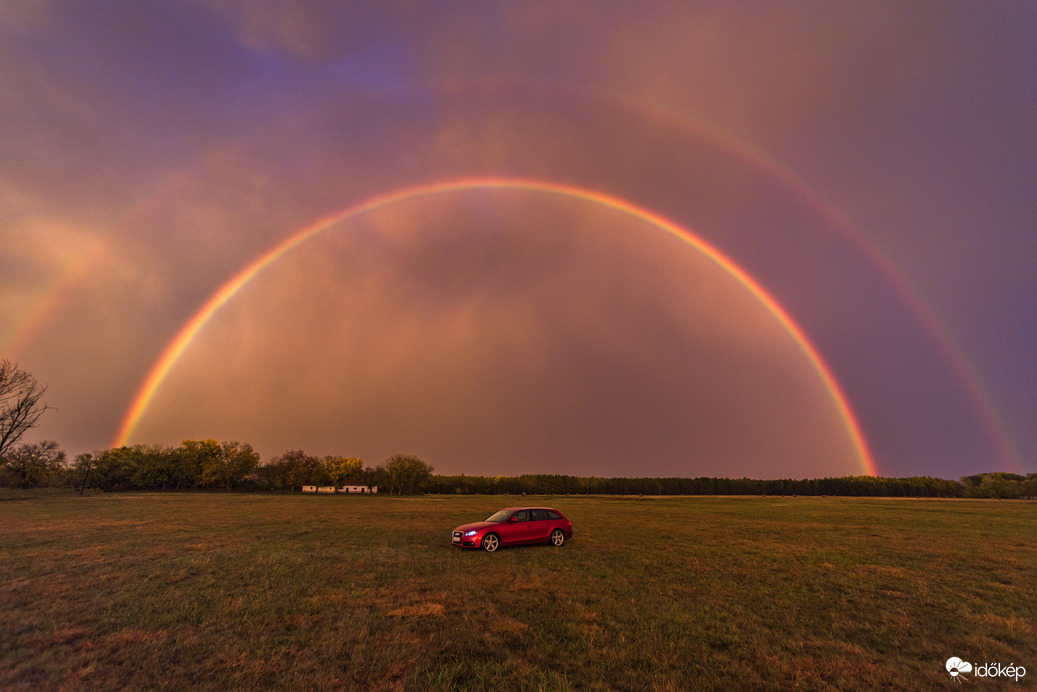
(773, 240)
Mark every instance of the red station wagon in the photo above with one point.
(514, 526)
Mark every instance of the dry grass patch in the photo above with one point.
(418, 610)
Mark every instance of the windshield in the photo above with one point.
(498, 517)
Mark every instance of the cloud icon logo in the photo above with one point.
(955, 666)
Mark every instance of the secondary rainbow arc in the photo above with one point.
(190, 330)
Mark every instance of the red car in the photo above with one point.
(514, 526)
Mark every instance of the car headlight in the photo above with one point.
(470, 533)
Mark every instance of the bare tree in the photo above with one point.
(20, 405)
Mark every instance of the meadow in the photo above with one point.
(213, 590)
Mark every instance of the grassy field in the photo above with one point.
(329, 592)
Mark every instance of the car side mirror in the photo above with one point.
(513, 520)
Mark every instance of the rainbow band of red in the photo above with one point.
(188, 332)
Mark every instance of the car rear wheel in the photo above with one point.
(557, 537)
(490, 542)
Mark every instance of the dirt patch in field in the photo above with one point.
(128, 637)
(78, 525)
(419, 610)
(506, 625)
(890, 571)
(1014, 625)
(65, 636)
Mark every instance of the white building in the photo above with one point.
(362, 489)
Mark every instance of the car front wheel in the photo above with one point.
(490, 542)
(557, 537)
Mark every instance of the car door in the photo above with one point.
(541, 524)
(517, 528)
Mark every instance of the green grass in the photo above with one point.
(166, 591)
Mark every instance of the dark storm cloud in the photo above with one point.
(149, 151)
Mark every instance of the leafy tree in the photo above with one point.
(339, 470)
(275, 473)
(223, 464)
(79, 474)
(405, 474)
(240, 459)
(20, 404)
(184, 467)
(116, 469)
(1029, 486)
(158, 467)
(201, 457)
(997, 485)
(375, 477)
(294, 469)
(35, 465)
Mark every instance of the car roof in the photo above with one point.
(515, 509)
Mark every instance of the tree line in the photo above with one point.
(236, 466)
(207, 464)
(202, 464)
(989, 485)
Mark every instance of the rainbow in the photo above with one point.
(982, 401)
(187, 333)
(26, 326)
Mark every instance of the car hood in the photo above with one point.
(476, 526)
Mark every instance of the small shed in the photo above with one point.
(309, 488)
(326, 489)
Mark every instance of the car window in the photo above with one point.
(498, 516)
(553, 515)
(539, 514)
(522, 515)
